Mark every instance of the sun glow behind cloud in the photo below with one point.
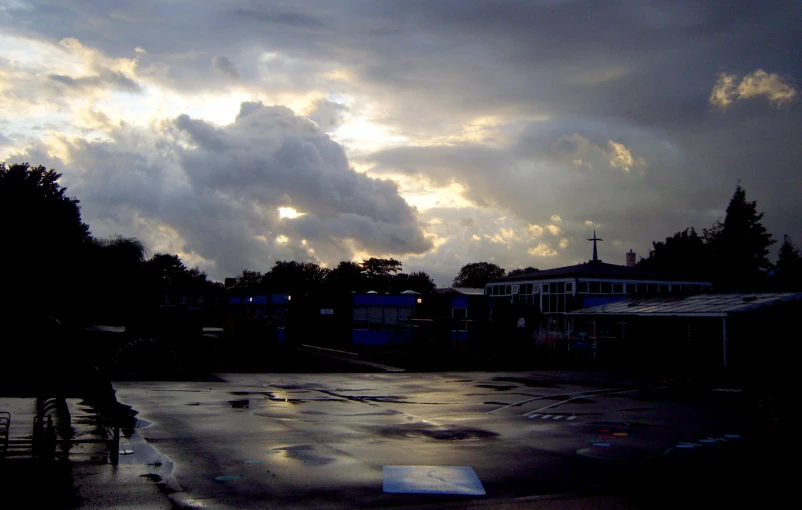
(288, 212)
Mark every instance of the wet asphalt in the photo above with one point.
(322, 440)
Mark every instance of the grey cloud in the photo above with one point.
(221, 192)
(327, 114)
(639, 73)
(225, 66)
(106, 79)
(4, 140)
(272, 16)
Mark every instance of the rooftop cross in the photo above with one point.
(595, 253)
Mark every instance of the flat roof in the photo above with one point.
(714, 305)
(466, 291)
(600, 270)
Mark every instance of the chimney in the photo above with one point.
(630, 258)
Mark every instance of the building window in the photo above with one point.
(561, 288)
(200, 300)
(545, 288)
(618, 288)
(606, 287)
(405, 313)
(460, 314)
(360, 317)
(569, 288)
(631, 288)
(166, 299)
(507, 290)
(582, 287)
(595, 287)
(183, 300)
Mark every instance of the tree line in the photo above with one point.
(51, 262)
(733, 253)
(307, 278)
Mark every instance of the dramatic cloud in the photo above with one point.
(218, 192)
(458, 131)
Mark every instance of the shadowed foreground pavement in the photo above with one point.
(321, 441)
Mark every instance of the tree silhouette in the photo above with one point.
(42, 233)
(379, 272)
(683, 253)
(249, 280)
(347, 277)
(477, 274)
(165, 270)
(789, 266)
(740, 246)
(298, 278)
(526, 270)
(418, 281)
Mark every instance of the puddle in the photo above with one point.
(532, 382)
(305, 454)
(138, 452)
(226, 478)
(287, 400)
(497, 387)
(240, 404)
(606, 451)
(428, 431)
(579, 400)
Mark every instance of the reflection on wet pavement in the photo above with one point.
(322, 440)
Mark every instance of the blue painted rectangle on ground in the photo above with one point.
(461, 480)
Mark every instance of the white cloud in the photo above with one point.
(554, 230)
(556, 219)
(535, 231)
(589, 224)
(778, 91)
(620, 156)
(760, 83)
(564, 243)
(724, 91)
(542, 250)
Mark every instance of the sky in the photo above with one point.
(439, 133)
